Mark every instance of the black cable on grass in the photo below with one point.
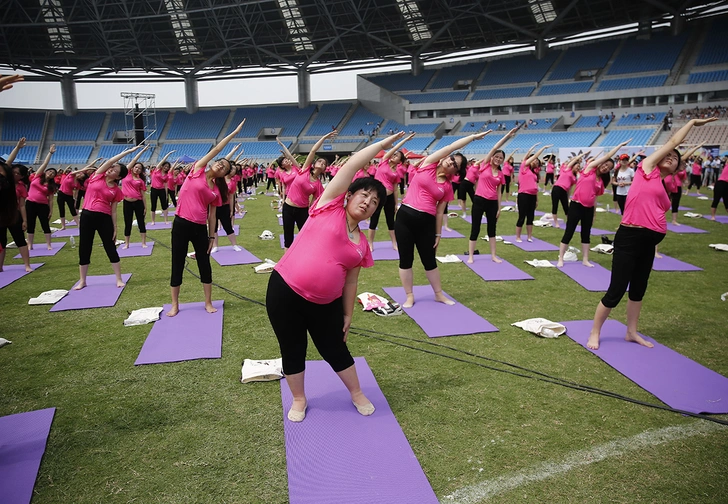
(543, 377)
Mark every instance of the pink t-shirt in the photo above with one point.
(566, 178)
(401, 171)
(647, 202)
(232, 186)
(196, 196)
(360, 174)
(386, 176)
(550, 168)
(287, 178)
(21, 192)
(724, 174)
(488, 183)
(527, 180)
(302, 188)
(158, 179)
(472, 172)
(68, 182)
(587, 187)
(675, 181)
(697, 169)
(324, 237)
(171, 181)
(133, 188)
(507, 169)
(181, 178)
(38, 192)
(270, 172)
(99, 196)
(372, 170)
(425, 192)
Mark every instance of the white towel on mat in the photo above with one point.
(692, 215)
(143, 316)
(48, 297)
(450, 258)
(541, 327)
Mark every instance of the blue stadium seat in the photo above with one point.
(361, 120)
(417, 128)
(701, 77)
(658, 53)
(403, 81)
(417, 144)
(501, 93)
(632, 83)
(290, 119)
(638, 136)
(118, 123)
(72, 154)
(715, 47)
(517, 69)
(23, 124)
(591, 122)
(27, 154)
(523, 141)
(568, 88)
(447, 77)
(586, 57)
(193, 150)
(84, 126)
(330, 114)
(473, 148)
(257, 150)
(643, 119)
(108, 151)
(202, 124)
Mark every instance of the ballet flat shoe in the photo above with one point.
(297, 416)
(365, 410)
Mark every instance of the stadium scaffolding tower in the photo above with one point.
(140, 106)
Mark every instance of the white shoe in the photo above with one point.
(237, 248)
(214, 249)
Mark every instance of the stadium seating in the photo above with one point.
(710, 134)
(118, 123)
(701, 77)
(586, 57)
(568, 88)
(27, 154)
(591, 122)
(473, 148)
(361, 120)
(267, 149)
(330, 114)
(403, 81)
(448, 77)
(517, 69)
(417, 144)
(84, 126)
(290, 119)
(501, 93)
(72, 154)
(537, 124)
(23, 124)
(638, 136)
(658, 53)
(632, 83)
(417, 128)
(446, 96)
(642, 120)
(715, 47)
(203, 124)
(524, 141)
(108, 151)
(193, 150)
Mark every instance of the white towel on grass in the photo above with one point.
(4, 342)
(265, 267)
(48, 297)
(261, 370)
(11, 245)
(143, 316)
(600, 210)
(719, 246)
(692, 215)
(541, 327)
(704, 198)
(266, 235)
(508, 209)
(450, 258)
(603, 248)
(540, 263)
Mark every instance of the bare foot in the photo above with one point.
(126, 246)
(677, 223)
(712, 218)
(209, 308)
(173, 311)
(28, 269)
(120, 284)
(658, 255)
(447, 228)
(496, 259)
(587, 264)
(63, 228)
(410, 301)
(470, 260)
(394, 246)
(593, 341)
(80, 286)
(560, 263)
(518, 240)
(151, 223)
(440, 298)
(144, 245)
(50, 247)
(30, 247)
(636, 338)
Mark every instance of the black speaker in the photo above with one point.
(138, 126)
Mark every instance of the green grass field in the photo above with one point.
(191, 432)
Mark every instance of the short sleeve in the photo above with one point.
(449, 195)
(118, 195)
(218, 199)
(337, 202)
(367, 261)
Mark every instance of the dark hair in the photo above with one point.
(220, 181)
(463, 166)
(24, 174)
(50, 184)
(605, 178)
(279, 161)
(8, 197)
(123, 171)
(369, 184)
(144, 168)
(679, 156)
(162, 165)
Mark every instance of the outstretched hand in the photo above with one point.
(389, 141)
(700, 122)
(7, 81)
(480, 135)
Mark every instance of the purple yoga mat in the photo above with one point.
(23, 439)
(451, 234)
(439, 319)
(135, 250)
(337, 455)
(594, 279)
(535, 246)
(684, 208)
(40, 250)
(593, 232)
(191, 334)
(383, 251)
(490, 271)
(236, 229)
(677, 381)
(280, 221)
(100, 292)
(683, 229)
(159, 225)
(672, 264)
(226, 256)
(282, 242)
(723, 219)
(469, 219)
(65, 233)
(11, 272)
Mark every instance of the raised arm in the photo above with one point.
(286, 152)
(7, 81)
(164, 159)
(692, 150)
(47, 160)
(232, 152)
(499, 144)
(219, 147)
(436, 156)
(576, 159)
(14, 153)
(534, 157)
(609, 155)
(651, 161)
(342, 180)
(111, 161)
(309, 159)
(399, 145)
(138, 156)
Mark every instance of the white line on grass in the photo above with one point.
(544, 470)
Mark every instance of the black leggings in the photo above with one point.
(720, 191)
(222, 214)
(559, 195)
(173, 196)
(634, 253)
(507, 186)
(161, 195)
(414, 228)
(39, 210)
(466, 188)
(184, 232)
(621, 199)
(578, 212)
(92, 222)
(132, 208)
(292, 316)
(526, 209)
(695, 180)
(63, 201)
(79, 196)
(388, 213)
(480, 206)
(675, 199)
(292, 215)
(16, 231)
(549, 178)
(271, 180)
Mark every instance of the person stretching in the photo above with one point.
(528, 191)
(39, 202)
(160, 175)
(134, 187)
(720, 191)
(560, 191)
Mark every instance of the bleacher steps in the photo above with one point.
(605, 70)
(46, 138)
(687, 57)
(348, 115)
(432, 79)
(162, 137)
(311, 120)
(102, 134)
(551, 69)
(225, 126)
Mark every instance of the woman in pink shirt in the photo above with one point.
(270, 174)
(387, 174)
(99, 215)
(467, 186)
(134, 187)
(549, 170)
(560, 191)
(488, 197)
(528, 191)
(40, 197)
(320, 299)
(588, 187)
(225, 212)
(301, 184)
(675, 181)
(419, 218)
(158, 193)
(508, 170)
(720, 191)
(13, 193)
(696, 175)
(65, 197)
(643, 228)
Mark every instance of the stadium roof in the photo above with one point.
(93, 40)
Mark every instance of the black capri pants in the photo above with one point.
(578, 212)
(63, 201)
(720, 191)
(675, 199)
(131, 209)
(39, 210)
(16, 231)
(414, 228)
(161, 195)
(490, 208)
(184, 232)
(388, 213)
(292, 215)
(621, 199)
(634, 253)
(466, 188)
(222, 215)
(79, 196)
(549, 178)
(695, 180)
(172, 193)
(291, 316)
(90, 223)
(559, 195)
(507, 186)
(526, 209)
